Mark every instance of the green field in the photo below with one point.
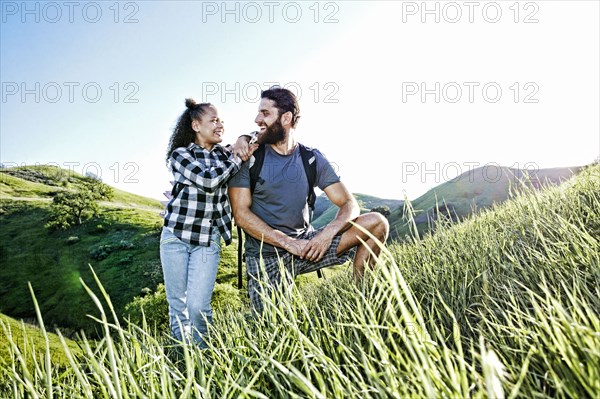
(504, 304)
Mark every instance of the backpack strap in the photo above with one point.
(310, 168)
(309, 159)
(259, 160)
(240, 254)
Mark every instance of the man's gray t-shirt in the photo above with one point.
(280, 194)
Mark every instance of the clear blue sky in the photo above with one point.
(398, 101)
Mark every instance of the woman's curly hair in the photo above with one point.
(183, 134)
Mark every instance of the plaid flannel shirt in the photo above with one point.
(202, 204)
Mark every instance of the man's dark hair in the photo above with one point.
(284, 101)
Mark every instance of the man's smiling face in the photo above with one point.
(269, 121)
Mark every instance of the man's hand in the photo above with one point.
(242, 149)
(318, 246)
(296, 246)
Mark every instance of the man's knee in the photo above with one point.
(375, 223)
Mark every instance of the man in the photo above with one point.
(275, 215)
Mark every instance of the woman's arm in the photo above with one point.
(208, 179)
(245, 145)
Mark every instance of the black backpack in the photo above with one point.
(309, 161)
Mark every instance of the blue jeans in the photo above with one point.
(190, 272)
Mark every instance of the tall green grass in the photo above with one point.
(505, 304)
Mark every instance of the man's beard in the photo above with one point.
(273, 134)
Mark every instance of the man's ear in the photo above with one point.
(286, 119)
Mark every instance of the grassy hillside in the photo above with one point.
(325, 211)
(505, 304)
(31, 343)
(472, 191)
(45, 181)
(121, 244)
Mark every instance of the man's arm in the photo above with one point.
(339, 195)
(241, 200)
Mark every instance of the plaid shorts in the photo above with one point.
(262, 279)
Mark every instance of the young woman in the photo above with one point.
(197, 217)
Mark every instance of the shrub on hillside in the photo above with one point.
(226, 295)
(153, 307)
(101, 251)
(72, 208)
(384, 210)
(126, 260)
(72, 240)
(124, 244)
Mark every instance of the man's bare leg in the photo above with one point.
(376, 224)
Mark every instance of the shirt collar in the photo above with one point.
(193, 146)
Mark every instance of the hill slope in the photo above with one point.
(27, 336)
(475, 190)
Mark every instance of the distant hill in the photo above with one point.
(325, 211)
(472, 191)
